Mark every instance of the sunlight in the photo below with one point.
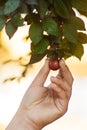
(16, 47)
(79, 68)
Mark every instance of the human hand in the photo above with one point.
(46, 104)
(42, 105)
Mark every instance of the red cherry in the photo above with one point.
(54, 64)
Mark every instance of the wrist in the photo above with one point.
(21, 122)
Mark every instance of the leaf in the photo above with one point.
(36, 58)
(2, 22)
(41, 47)
(10, 29)
(82, 37)
(80, 5)
(35, 33)
(1, 10)
(52, 54)
(70, 32)
(10, 6)
(78, 23)
(23, 8)
(50, 26)
(42, 8)
(68, 5)
(77, 50)
(61, 9)
(31, 2)
(67, 55)
(71, 49)
(17, 20)
(65, 46)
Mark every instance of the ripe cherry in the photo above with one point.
(54, 64)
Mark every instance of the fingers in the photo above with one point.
(61, 87)
(62, 83)
(65, 72)
(42, 75)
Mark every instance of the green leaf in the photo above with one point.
(82, 37)
(23, 8)
(31, 2)
(10, 6)
(70, 32)
(10, 29)
(55, 54)
(65, 45)
(68, 5)
(35, 33)
(80, 5)
(71, 49)
(17, 20)
(42, 8)
(78, 23)
(41, 47)
(77, 50)
(2, 22)
(36, 58)
(61, 9)
(1, 10)
(67, 55)
(50, 26)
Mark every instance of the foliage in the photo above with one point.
(55, 30)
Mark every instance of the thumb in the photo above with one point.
(42, 75)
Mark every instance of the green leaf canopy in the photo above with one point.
(10, 6)
(54, 27)
(70, 32)
(36, 32)
(50, 26)
(61, 9)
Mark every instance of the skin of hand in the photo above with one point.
(42, 105)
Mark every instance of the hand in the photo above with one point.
(46, 104)
(42, 105)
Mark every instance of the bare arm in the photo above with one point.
(42, 105)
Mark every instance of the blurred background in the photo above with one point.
(13, 86)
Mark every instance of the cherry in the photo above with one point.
(54, 64)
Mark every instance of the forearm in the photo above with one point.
(21, 126)
(21, 122)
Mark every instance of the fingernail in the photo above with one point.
(46, 64)
(62, 62)
(46, 61)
